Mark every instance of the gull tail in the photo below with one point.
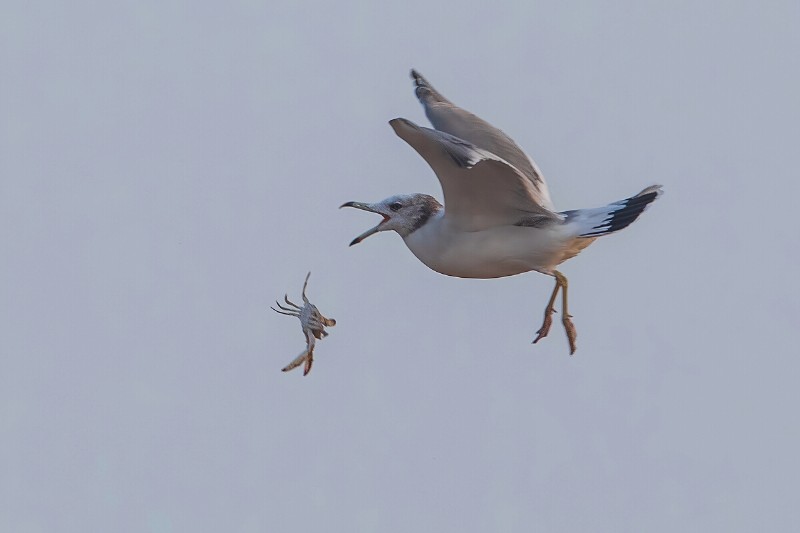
(601, 221)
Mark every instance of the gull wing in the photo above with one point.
(449, 118)
(481, 190)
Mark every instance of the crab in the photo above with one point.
(311, 321)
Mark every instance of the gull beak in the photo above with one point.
(371, 209)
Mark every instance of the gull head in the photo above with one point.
(403, 213)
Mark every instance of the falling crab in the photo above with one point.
(313, 324)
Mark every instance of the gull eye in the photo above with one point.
(395, 206)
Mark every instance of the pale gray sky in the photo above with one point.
(168, 169)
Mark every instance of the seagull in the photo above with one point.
(497, 219)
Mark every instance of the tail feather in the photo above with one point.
(613, 217)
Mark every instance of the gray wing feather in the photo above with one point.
(448, 117)
(481, 190)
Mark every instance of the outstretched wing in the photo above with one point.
(481, 190)
(449, 118)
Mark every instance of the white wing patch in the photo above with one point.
(465, 154)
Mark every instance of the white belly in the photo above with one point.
(492, 253)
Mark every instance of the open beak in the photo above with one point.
(371, 209)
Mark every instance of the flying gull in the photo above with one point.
(497, 219)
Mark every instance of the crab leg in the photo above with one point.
(285, 313)
(305, 284)
(286, 299)
(297, 361)
(287, 308)
(310, 350)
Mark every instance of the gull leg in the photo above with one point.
(569, 327)
(548, 311)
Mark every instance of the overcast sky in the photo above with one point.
(168, 169)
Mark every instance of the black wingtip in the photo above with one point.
(420, 83)
(424, 91)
